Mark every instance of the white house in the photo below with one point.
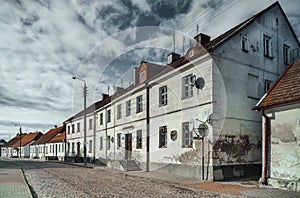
(56, 147)
(38, 148)
(280, 109)
(159, 122)
(24, 144)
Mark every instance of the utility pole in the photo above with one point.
(20, 140)
(84, 122)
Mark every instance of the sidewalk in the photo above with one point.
(13, 184)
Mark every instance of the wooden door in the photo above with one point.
(128, 146)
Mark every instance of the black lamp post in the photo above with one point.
(202, 133)
(84, 112)
(20, 134)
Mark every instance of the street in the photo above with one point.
(48, 179)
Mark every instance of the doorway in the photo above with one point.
(128, 146)
(78, 148)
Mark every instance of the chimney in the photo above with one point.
(173, 57)
(55, 126)
(136, 75)
(202, 39)
(104, 96)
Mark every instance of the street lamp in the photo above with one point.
(84, 113)
(20, 134)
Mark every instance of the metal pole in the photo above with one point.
(202, 158)
(20, 141)
(84, 136)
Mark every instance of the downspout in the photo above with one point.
(94, 139)
(265, 147)
(148, 129)
(106, 133)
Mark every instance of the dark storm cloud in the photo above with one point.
(24, 125)
(167, 9)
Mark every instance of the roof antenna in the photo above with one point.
(197, 29)
(173, 38)
(183, 42)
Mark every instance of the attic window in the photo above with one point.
(286, 54)
(268, 46)
(244, 44)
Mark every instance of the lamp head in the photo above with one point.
(74, 77)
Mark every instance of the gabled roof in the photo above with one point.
(49, 135)
(285, 90)
(215, 43)
(27, 138)
(12, 141)
(91, 108)
(2, 141)
(222, 38)
(59, 138)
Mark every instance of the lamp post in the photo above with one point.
(202, 130)
(84, 122)
(20, 134)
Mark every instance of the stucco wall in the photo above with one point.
(284, 158)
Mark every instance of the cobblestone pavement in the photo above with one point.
(60, 180)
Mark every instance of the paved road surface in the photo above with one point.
(61, 180)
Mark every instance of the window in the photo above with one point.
(73, 148)
(295, 54)
(108, 116)
(187, 89)
(101, 119)
(162, 136)
(119, 111)
(128, 108)
(90, 123)
(68, 147)
(69, 129)
(62, 148)
(108, 142)
(59, 148)
(139, 104)
(139, 139)
(119, 144)
(268, 84)
(73, 128)
(252, 86)
(78, 127)
(286, 54)
(101, 143)
(267, 46)
(187, 136)
(142, 76)
(245, 44)
(163, 95)
(90, 146)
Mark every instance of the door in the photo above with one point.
(55, 150)
(128, 146)
(78, 148)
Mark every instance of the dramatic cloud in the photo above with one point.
(44, 43)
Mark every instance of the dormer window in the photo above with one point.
(142, 76)
(244, 44)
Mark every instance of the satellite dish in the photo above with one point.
(191, 125)
(200, 83)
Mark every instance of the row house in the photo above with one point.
(7, 150)
(2, 142)
(24, 143)
(193, 116)
(39, 149)
(75, 132)
(56, 147)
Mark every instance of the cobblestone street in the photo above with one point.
(60, 180)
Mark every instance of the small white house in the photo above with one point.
(56, 147)
(38, 149)
(280, 109)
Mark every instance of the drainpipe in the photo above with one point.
(94, 139)
(265, 147)
(148, 129)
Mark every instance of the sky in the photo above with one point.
(44, 43)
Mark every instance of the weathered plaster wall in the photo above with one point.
(284, 162)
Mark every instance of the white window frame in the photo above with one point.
(139, 103)
(163, 137)
(101, 143)
(101, 119)
(119, 140)
(91, 123)
(244, 43)
(119, 111)
(163, 95)
(90, 146)
(268, 46)
(187, 88)
(187, 135)
(78, 127)
(139, 139)
(268, 84)
(128, 108)
(108, 119)
(286, 54)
